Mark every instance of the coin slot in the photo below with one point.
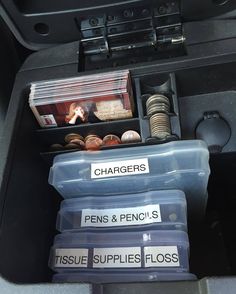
(156, 84)
(158, 108)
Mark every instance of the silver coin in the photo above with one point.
(157, 103)
(130, 137)
(160, 125)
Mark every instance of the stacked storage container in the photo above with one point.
(127, 220)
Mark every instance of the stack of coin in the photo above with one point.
(93, 142)
(130, 137)
(157, 103)
(111, 139)
(160, 125)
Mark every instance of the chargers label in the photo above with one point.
(119, 168)
(161, 256)
(120, 257)
(71, 257)
(130, 216)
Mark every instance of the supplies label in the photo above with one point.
(119, 168)
(120, 257)
(130, 216)
(161, 256)
(67, 257)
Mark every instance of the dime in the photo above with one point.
(160, 125)
(130, 137)
(157, 103)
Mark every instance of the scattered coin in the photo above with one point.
(78, 142)
(90, 136)
(56, 147)
(130, 137)
(111, 139)
(72, 146)
(93, 143)
(73, 136)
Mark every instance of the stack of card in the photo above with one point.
(86, 99)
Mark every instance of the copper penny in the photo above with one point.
(73, 136)
(110, 140)
(78, 142)
(130, 137)
(89, 137)
(72, 146)
(93, 143)
(56, 147)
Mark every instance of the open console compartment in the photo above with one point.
(29, 204)
(197, 91)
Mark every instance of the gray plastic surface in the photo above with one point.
(179, 165)
(164, 209)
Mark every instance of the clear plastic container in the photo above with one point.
(181, 165)
(140, 276)
(121, 252)
(163, 209)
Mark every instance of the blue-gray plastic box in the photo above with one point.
(165, 210)
(121, 252)
(181, 165)
(139, 276)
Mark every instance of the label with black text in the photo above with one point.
(119, 168)
(71, 257)
(119, 257)
(161, 256)
(128, 216)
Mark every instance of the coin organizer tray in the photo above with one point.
(166, 210)
(141, 276)
(121, 252)
(179, 165)
(143, 88)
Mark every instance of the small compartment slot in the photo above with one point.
(47, 137)
(163, 84)
(157, 84)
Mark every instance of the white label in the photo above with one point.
(121, 216)
(161, 256)
(71, 257)
(121, 257)
(119, 168)
(48, 120)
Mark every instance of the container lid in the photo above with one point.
(141, 238)
(40, 24)
(111, 277)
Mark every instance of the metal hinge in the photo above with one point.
(137, 27)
